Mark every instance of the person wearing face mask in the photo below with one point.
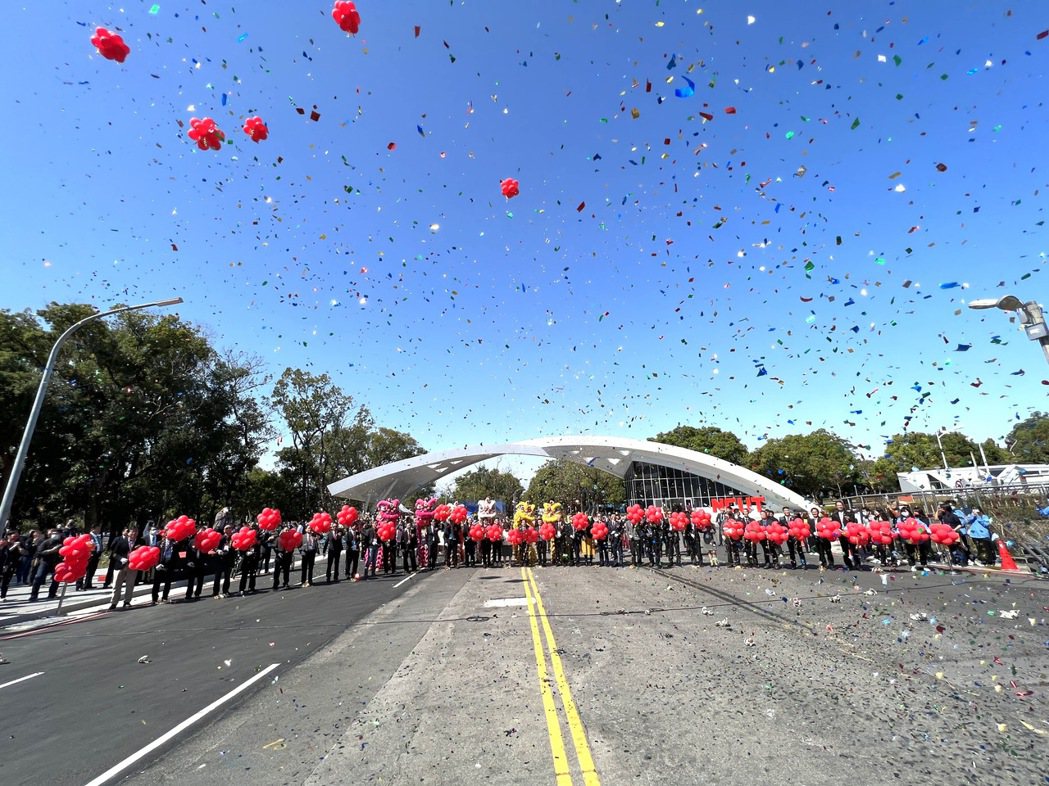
(822, 544)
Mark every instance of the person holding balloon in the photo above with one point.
(119, 554)
(283, 553)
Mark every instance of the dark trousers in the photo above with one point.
(984, 552)
(334, 557)
(732, 551)
(797, 552)
(264, 562)
(637, 552)
(752, 553)
(486, 553)
(825, 554)
(40, 577)
(248, 570)
(223, 573)
(89, 576)
(389, 558)
(848, 549)
(306, 572)
(770, 550)
(371, 556)
(162, 576)
(542, 547)
(25, 563)
(497, 552)
(471, 553)
(408, 558)
(673, 549)
(5, 582)
(655, 553)
(919, 552)
(281, 565)
(616, 551)
(451, 555)
(352, 561)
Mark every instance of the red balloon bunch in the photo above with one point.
(477, 533)
(289, 540)
(75, 553)
(856, 533)
(600, 530)
(580, 521)
(256, 129)
(547, 531)
(635, 514)
(346, 16)
(205, 133)
(347, 516)
(944, 534)
(828, 529)
(912, 532)
(244, 539)
(207, 540)
(701, 520)
(654, 515)
(442, 512)
(514, 537)
(495, 533)
(269, 519)
(754, 532)
(776, 533)
(144, 558)
(458, 514)
(320, 524)
(110, 45)
(386, 532)
(799, 529)
(881, 533)
(678, 521)
(181, 528)
(733, 529)
(530, 535)
(510, 188)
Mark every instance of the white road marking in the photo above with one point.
(497, 603)
(407, 578)
(116, 769)
(21, 679)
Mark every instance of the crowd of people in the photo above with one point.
(357, 551)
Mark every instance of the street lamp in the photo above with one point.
(1031, 317)
(41, 392)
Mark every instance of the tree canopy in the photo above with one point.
(484, 482)
(1029, 439)
(575, 486)
(814, 465)
(706, 439)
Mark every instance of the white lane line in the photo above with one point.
(21, 679)
(408, 578)
(116, 769)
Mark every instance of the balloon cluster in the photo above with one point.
(181, 528)
(256, 129)
(635, 514)
(580, 521)
(776, 533)
(912, 532)
(110, 45)
(530, 534)
(881, 533)
(269, 519)
(547, 531)
(856, 534)
(701, 520)
(600, 530)
(75, 553)
(654, 515)
(289, 540)
(207, 540)
(510, 188)
(754, 532)
(347, 516)
(515, 536)
(346, 16)
(458, 514)
(828, 529)
(799, 529)
(733, 529)
(244, 539)
(442, 512)
(144, 558)
(320, 524)
(476, 533)
(944, 534)
(205, 133)
(678, 521)
(495, 533)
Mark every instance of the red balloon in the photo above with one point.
(733, 529)
(828, 529)
(320, 524)
(881, 533)
(256, 129)
(269, 519)
(678, 521)
(514, 537)
(289, 540)
(701, 520)
(442, 512)
(600, 530)
(244, 539)
(346, 16)
(547, 531)
(110, 45)
(205, 133)
(495, 533)
(799, 529)
(531, 535)
(944, 534)
(510, 188)
(654, 515)
(912, 532)
(181, 528)
(856, 533)
(477, 533)
(580, 521)
(754, 532)
(634, 513)
(458, 514)
(207, 540)
(776, 533)
(144, 558)
(66, 573)
(347, 516)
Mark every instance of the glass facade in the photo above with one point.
(652, 484)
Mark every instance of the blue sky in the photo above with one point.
(799, 257)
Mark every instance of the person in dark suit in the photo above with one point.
(120, 549)
(353, 550)
(223, 561)
(164, 573)
(249, 566)
(92, 562)
(843, 517)
(334, 554)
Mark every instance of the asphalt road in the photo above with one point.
(95, 704)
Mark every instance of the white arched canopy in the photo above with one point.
(610, 454)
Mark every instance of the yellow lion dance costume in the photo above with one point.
(524, 514)
(551, 512)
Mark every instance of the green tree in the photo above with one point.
(706, 439)
(1029, 439)
(575, 486)
(920, 449)
(484, 482)
(995, 453)
(814, 465)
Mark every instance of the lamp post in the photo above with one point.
(1031, 317)
(41, 392)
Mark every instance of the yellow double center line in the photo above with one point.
(536, 617)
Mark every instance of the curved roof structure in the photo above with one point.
(610, 454)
